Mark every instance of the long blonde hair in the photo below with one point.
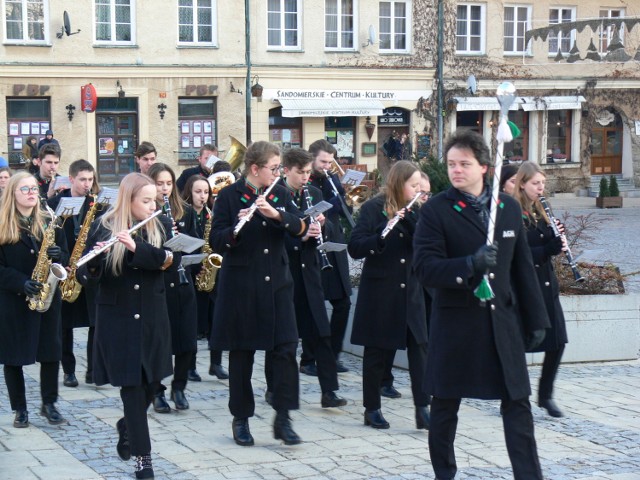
(119, 218)
(10, 216)
(401, 171)
(531, 209)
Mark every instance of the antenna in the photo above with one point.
(66, 26)
(372, 37)
(472, 85)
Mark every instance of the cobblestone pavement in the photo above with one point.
(599, 438)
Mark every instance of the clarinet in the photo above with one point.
(326, 265)
(181, 272)
(556, 231)
(393, 222)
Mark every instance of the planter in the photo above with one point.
(609, 202)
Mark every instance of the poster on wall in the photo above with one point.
(197, 127)
(25, 128)
(105, 146)
(208, 128)
(344, 145)
(185, 141)
(197, 141)
(208, 139)
(14, 129)
(184, 127)
(17, 143)
(35, 128)
(637, 127)
(44, 126)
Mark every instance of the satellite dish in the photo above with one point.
(66, 26)
(472, 85)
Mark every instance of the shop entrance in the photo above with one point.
(116, 137)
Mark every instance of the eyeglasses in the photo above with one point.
(28, 190)
(427, 195)
(274, 170)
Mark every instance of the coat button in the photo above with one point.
(228, 246)
(371, 252)
(267, 279)
(402, 285)
(459, 280)
(401, 235)
(493, 307)
(286, 225)
(32, 251)
(492, 276)
(537, 266)
(302, 265)
(136, 287)
(402, 260)
(264, 224)
(546, 284)
(266, 251)
(137, 316)
(295, 248)
(542, 235)
(172, 284)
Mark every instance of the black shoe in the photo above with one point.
(193, 376)
(160, 404)
(52, 414)
(70, 380)
(241, 433)
(282, 429)
(22, 419)
(331, 400)
(202, 336)
(310, 370)
(177, 397)
(341, 368)
(374, 418)
(422, 418)
(268, 397)
(551, 407)
(390, 392)
(217, 370)
(123, 448)
(88, 378)
(144, 468)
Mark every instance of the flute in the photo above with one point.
(556, 231)
(252, 210)
(393, 222)
(109, 243)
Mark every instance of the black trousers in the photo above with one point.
(518, 431)
(181, 363)
(215, 358)
(68, 358)
(373, 367)
(387, 375)
(339, 320)
(135, 401)
(285, 380)
(550, 367)
(14, 378)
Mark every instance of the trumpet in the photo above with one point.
(326, 265)
(181, 272)
(252, 209)
(394, 221)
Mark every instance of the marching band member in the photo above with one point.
(544, 245)
(254, 305)
(201, 169)
(28, 336)
(48, 163)
(77, 313)
(390, 311)
(5, 174)
(145, 156)
(132, 343)
(181, 295)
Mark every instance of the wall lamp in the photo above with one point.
(233, 89)
(161, 108)
(120, 91)
(256, 88)
(70, 111)
(369, 127)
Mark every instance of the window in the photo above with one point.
(470, 28)
(283, 131)
(339, 25)
(517, 150)
(395, 18)
(27, 21)
(197, 22)
(115, 22)
(284, 23)
(340, 132)
(561, 41)
(516, 23)
(559, 135)
(197, 126)
(26, 117)
(606, 31)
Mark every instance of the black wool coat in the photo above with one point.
(476, 351)
(538, 235)
(254, 298)
(390, 298)
(27, 336)
(181, 299)
(187, 174)
(336, 283)
(304, 264)
(132, 323)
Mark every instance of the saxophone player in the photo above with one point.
(28, 336)
(79, 313)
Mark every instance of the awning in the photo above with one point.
(527, 104)
(480, 103)
(330, 107)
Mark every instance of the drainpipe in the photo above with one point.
(440, 92)
(247, 82)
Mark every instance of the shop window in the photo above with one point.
(197, 22)
(283, 131)
(559, 136)
(340, 132)
(26, 21)
(339, 24)
(284, 24)
(518, 149)
(470, 120)
(26, 117)
(197, 126)
(115, 22)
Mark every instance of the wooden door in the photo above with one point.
(116, 143)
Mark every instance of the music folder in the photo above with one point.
(184, 243)
(69, 206)
(61, 182)
(107, 196)
(192, 259)
(317, 209)
(332, 247)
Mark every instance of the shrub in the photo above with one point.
(438, 175)
(614, 191)
(604, 188)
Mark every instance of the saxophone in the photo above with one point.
(45, 272)
(70, 287)
(206, 277)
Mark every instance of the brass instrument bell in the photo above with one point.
(235, 154)
(219, 180)
(357, 195)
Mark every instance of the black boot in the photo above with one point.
(422, 418)
(194, 376)
(123, 448)
(217, 370)
(331, 400)
(160, 404)
(52, 414)
(144, 468)
(70, 380)
(374, 418)
(241, 432)
(282, 429)
(22, 418)
(551, 407)
(177, 396)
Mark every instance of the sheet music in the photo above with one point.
(353, 178)
(317, 209)
(212, 161)
(108, 196)
(192, 259)
(61, 182)
(69, 206)
(332, 247)
(184, 243)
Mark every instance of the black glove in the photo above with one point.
(485, 258)
(553, 247)
(32, 288)
(54, 253)
(535, 338)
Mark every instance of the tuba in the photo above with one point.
(45, 272)
(235, 154)
(219, 180)
(356, 196)
(206, 277)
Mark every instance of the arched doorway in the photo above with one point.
(606, 144)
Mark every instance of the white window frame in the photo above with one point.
(408, 24)
(340, 48)
(112, 23)
(283, 31)
(483, 28)
(25, 25)
(572, 35)
(195, 24)
(515, 37)
(608, 33)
